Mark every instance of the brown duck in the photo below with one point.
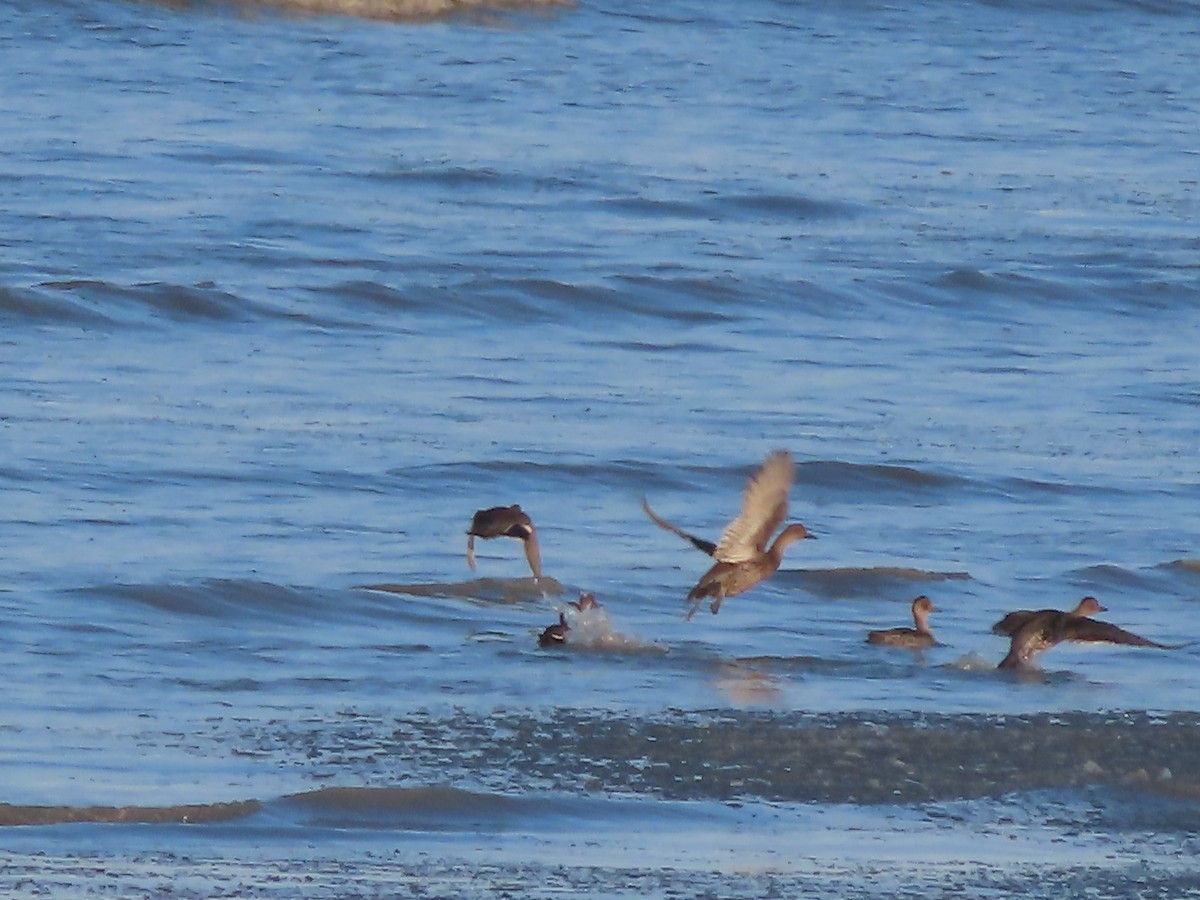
(1011, 623)
(505, 521)
(1050, 627)
(743, 558)
(913, 638)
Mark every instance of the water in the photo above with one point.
(286, 299)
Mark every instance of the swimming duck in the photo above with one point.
(1012, 622)
(505, 521)
(743, 558)
(699, 543)
(1050, 627)
(914, 638)
(555, 634)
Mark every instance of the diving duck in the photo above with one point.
(505, 521)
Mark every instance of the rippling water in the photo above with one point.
(285, 299)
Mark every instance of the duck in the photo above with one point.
(556, 635)
(1050, 627)
(1011, 623)
(505, 521)
(913, 638)
(585, 602)
(743, 557)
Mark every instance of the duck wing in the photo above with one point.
(699, 543)
(1015, 621)
(533, 553)
(1082, 629)
(500, 521)
(1012, 622)
(764, 507)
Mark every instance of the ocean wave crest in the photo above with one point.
(876, 478)
(870, 581)
(108, 304)
(485, 591)
(220, 598)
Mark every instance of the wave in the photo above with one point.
(1177, 577)
(504, 291)
(231, 601)
(879, 481)
(784, 207)
(485, 591)
(1128, 285)
(1015, 487)
(518, 298)
(873, 478)
(107, 304)
(218, 598)
(488, 477)
(1116, 577)
(492, 294)
(726, 207)
(32, 305)
(871, 581)
(1188, 567)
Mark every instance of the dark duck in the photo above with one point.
(1033, 633)
(505, 521)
